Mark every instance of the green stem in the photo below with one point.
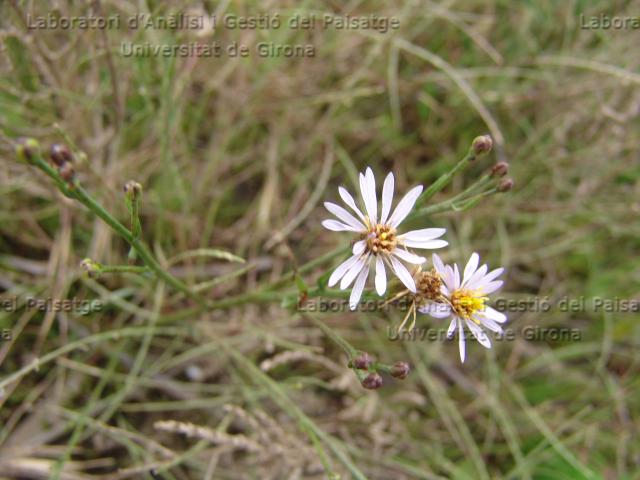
(123, 269)
(76, 191)
(444, 179)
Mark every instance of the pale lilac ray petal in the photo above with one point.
(437, 262)
(381, 276)
(470, 268)
(491, 286)
(492, 275)
(359, 247)
(404, 207)
(409, 257)
(430, 244)
(436, 310)
(461, 343)
(489, 323)
(345, 216)
(356, 293)
(480, 335)
(387, 197)
(403, 274)
(341, 269)
(475, 280)
(337, 226)
(494, 314)
(452, 327)
(371, 200)
(348, 199)
(423, 234)
(353, 272)
(456, 276)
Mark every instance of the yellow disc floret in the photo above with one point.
(467, 302)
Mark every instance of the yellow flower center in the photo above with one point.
(381, 239)
(467, 302)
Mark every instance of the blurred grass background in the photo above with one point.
(232, 153)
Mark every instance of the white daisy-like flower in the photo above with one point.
(465, 301)
(379, 243)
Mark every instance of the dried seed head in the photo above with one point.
(132, 190)
(505, 185)
(362, 361)
(372, 381)
(26, 149)
(500, 169)
(60, 154)
(400, 370)
(482, 145)
(67, 172)
(428, 285)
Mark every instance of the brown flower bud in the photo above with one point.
(400, 370)
(362, 361)
(372, 381)
(60, 154)
(500, 169)
(482, 145)
(505, 185)
(132, 190)
(67, 172)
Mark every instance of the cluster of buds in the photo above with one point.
(373, 379)
(62, 158)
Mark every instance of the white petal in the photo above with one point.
(387, 197)
(339, 272)
(491, 286)
(381, 276)
(348, 199)
(373, 198)
(456, 276)
(403, 274)
(430, 244)
(408, 256)
(461, 344)
(480, 335)
(337, 226)
(494, 314)
(405, 206)
(345, 216)
(492, 275)
(449, 277)
(437, 262)
(489, 323)
(359, 247)
(474, 282)
(356, 293)
(436, 310)
(423, 234)
(370, 201)
(471, 267)
(452, 327)
(353, 272)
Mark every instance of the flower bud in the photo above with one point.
(60, 154)
(372, 381)
(482, 145)
(400, 370)
(505, 185)
(91, 267)
(26, 149)
(500, 169)
(67, 172)
(132, 190)
(362, 361)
